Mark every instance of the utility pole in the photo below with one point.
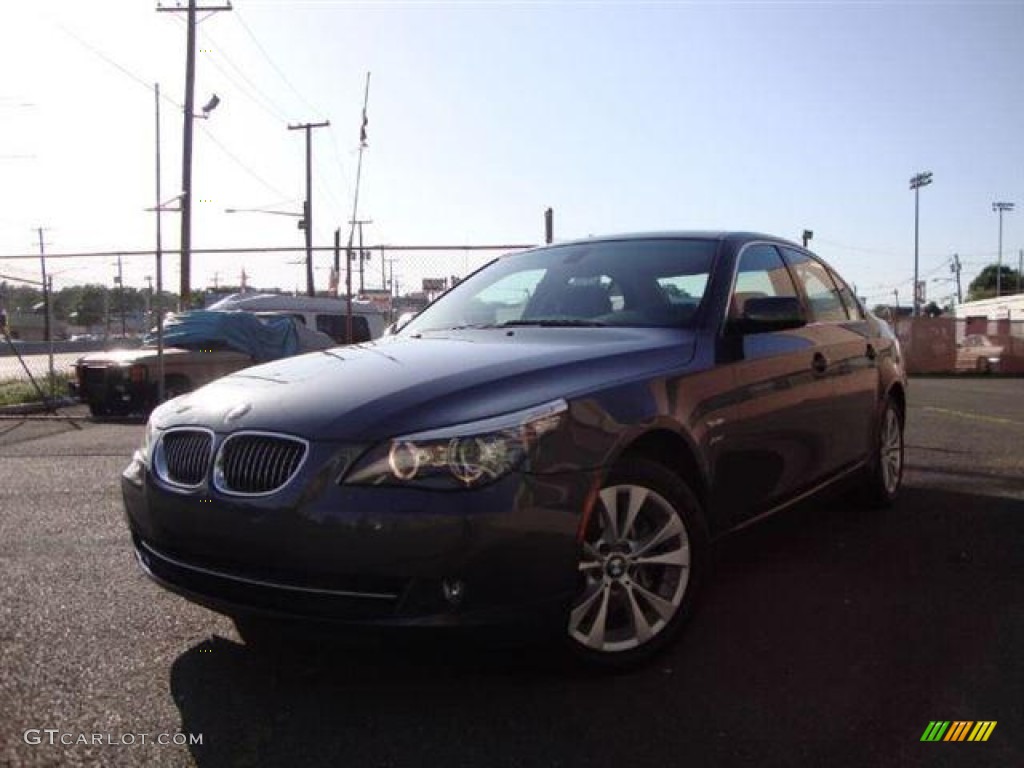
(337, 259)
(46, 290)
(159, 255)
(186, 142)
(120, 290)
(955, 268)
(1020, 266)
(355, 203)
(549, 226)
(362, 254)
(1000, 208)
(916, 182)
(307, 206)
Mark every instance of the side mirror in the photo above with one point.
(399, 324)
(770, 313)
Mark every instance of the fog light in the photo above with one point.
(454, 590)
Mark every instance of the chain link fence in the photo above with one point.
(98, 302)
(95, 308)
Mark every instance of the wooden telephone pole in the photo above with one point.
(307, 206)
(186, 145)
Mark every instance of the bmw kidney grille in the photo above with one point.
(257, 463)
(184, 456)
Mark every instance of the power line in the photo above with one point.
(148, 85)
(239, 162)
(260, 98)
(262, 50)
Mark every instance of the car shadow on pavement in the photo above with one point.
(828, 635)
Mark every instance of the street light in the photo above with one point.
(916, 182)
(807, 236)
(300, 216)
(999, 208)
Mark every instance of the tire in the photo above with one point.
(884, 474)
(640, 566)
(98, 411)
(983, 365)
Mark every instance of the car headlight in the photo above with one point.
(460, 456)
(148, 441)
(135, 472)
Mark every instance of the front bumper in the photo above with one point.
(111, 389)
(505, 553)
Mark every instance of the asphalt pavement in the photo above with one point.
(829, 636)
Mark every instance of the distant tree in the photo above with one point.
(984, 285)
(21, 298)
(93, 304)
(932, 309)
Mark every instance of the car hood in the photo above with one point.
(401, 385)
(149, 355)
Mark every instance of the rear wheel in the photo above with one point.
(641, 562)
(884, 474)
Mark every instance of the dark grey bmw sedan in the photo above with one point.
(557, 439)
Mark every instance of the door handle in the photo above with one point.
(819, 364)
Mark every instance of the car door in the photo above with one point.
(849, 352)
(775, 438)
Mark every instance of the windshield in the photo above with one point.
(651, 282)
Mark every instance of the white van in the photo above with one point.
(324, 314)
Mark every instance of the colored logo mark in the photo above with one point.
(958, 730)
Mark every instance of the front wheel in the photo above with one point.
(642, 559)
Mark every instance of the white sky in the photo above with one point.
(767, 116)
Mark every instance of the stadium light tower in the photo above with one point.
(1000, 208)
(916, 182)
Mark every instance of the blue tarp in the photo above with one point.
(264, 338)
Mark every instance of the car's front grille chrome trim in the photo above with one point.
(254, 463)
(144, 551)
(182, 456)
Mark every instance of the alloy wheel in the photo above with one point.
(634, 570)
(891, 451)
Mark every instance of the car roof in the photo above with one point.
(732, 235)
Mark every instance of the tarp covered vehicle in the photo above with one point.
(199, 346)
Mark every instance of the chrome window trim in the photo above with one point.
(736, 271)
(160, 464)
(218, 473)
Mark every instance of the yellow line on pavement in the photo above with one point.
(974, 416)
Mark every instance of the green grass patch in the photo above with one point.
(20, 391)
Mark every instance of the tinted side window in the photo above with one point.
(822, 295)
(853, 308)
(335, 326)
(761, 273)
